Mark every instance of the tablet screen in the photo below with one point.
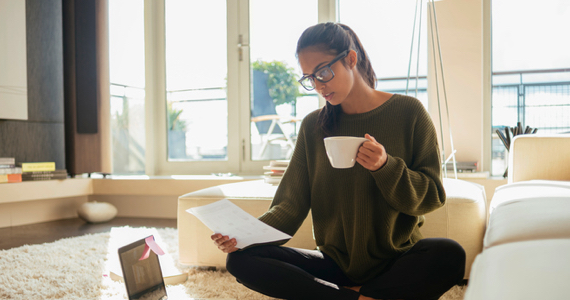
(143, 278)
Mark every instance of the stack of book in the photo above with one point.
(9, 173)
(275, 170)
(32, 171)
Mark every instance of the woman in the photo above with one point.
(366, 219)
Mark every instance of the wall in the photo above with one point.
(465, 51)
(41, 137)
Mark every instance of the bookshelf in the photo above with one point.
(45, 189)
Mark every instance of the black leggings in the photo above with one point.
(426, 271)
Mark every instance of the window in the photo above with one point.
(127, 75)
(186, 85)
(388, 41)
(531, 69)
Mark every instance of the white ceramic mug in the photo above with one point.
(342, 150)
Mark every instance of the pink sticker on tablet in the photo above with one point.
(150, 244)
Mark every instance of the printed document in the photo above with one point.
(229, 219)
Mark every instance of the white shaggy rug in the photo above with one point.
(75, 268)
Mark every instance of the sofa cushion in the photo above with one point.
(529, 219)
(532, 189)
(522, 270)
(462, 218)
(254, 189)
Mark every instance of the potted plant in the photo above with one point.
(176, 133)
(274, 83)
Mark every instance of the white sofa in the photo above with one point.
(527, 242)
(462, 218)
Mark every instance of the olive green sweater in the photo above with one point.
(363, 219)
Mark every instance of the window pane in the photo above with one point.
(388, 40)
(273, 40)
(552, 100)
(196, 71)
(127, 75)
(531, 82)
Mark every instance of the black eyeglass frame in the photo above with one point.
(342, 55)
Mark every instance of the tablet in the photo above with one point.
(142, 276)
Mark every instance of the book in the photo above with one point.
(463, 175)
(463, 166)
(44, 175)
(13, 170)
(7, 161)
(8, 171)
(59, 171)
(38, 166)
(12, 178)
(170, 275)
(276, 169)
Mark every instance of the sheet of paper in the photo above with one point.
(229, 219)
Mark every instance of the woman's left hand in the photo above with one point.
(371, 154)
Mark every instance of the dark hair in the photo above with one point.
(335, 38)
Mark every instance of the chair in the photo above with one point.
(264, 115)
(276, 132)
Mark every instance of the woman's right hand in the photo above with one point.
(224, 243)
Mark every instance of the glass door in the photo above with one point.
(196, 80)
(278, 103)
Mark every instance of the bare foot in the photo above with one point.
(362, 297)
(357, 289)
(354, 288)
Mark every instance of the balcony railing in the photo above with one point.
(535, 98)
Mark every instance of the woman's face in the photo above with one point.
(336, 90)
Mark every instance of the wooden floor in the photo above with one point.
(40, 233)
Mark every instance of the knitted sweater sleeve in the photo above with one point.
(414, 189)
(291, 203)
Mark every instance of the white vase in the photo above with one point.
(97, 212)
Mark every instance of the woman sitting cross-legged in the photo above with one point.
(366, 219)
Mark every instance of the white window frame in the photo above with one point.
(238, 98)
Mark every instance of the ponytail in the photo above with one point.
(334, 38)
(364, 65)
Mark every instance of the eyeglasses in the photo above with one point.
(324, 74)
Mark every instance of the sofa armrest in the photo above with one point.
(545, 157)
